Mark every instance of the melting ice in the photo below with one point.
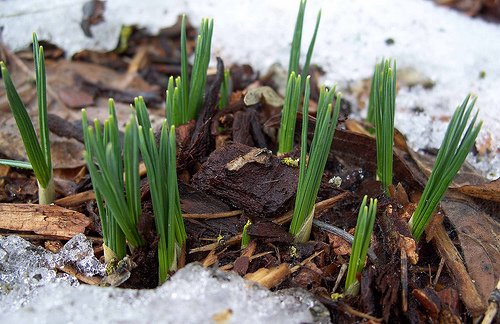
(32, 291)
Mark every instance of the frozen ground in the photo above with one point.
(449, 47)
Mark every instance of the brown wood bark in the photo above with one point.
(50, 220)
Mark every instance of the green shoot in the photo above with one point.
(305, 69)
(293, 65)
(362, 235)
(162, 176)
(289, 113)
(122, 212)
(295, 84)
(184, 100)
(184, 81)
(310, 175)
(384, 106)
(200, 66)
(114, 246)
(454, 149)
(245, 238)
(224, 91)
(38, 153)
(370, 116)
(175, 115)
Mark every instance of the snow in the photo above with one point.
(32, 292)
(25, 268)
(445, 45)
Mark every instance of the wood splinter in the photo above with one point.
(404, 280)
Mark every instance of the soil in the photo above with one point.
(228, 174)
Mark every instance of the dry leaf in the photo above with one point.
(265, 93)
(479, 239)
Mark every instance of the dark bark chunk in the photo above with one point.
(270, 232)
(250, 179)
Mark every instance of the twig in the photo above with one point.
(231, 265)
(342, 234)
(233, 240)
(72, 271)
(287, 217)
(297, 267)
(320, 206)
(342, 271)
(357, 313)
(404, 280)
(76, 199)
(438, 273)
(465, 285)
(213, 215)
(492, 310)
(330, 202)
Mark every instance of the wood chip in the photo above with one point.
(48, 220)
(76, 199)
(270, 277)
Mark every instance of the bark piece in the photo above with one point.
(201, 133)
(256, 182)
(43, 219)
(310, 274)
(242, 262)
(398, 234)
(487, 191)
(361, 150)
(270, 232)
(388, 281)
(194, 201)
(241, 128)
(241, 265)
(429, 300)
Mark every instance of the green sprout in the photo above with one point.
(175, 115)
(295, 83)
(123, 200)
(362, 235)
(113, 237)
(184, 101)
(38, 153)
(200, 66)
(310, 175)
(370, 116)
(289, 113)
(224, 91)
(293, 65)
(245, 238)
(383, 101)
(454, 149)
(162, 176)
